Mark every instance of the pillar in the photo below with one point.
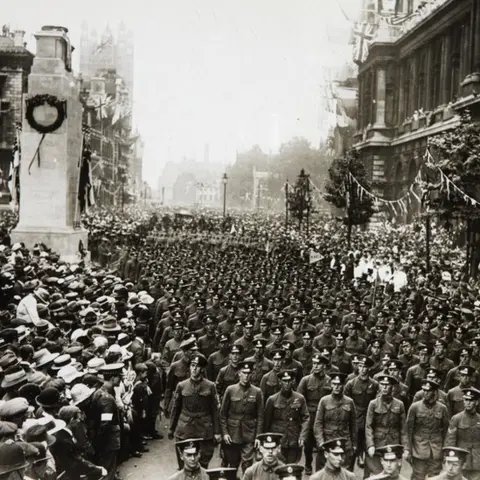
(380, 96)
(471, 84)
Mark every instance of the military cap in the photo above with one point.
(465, 351)
(269, 440)
(340, 335)
(278, 330)
(306, 334)
(286, 375)
(222, 338)
(325, 351)
(433, 372)
(353, 324)
(319, 358)
(454, 454)
(223, 473)
(177, 325)
(112, 368)
(189, 446)
(290, 471)
(338, 377)
(466, 370)
(387, 379)
(428, 385)
(365, 361)
(390, 452)
(287, 345)
(260, 343)
(246, 366)
(440, 342)
(189, 343)
(376, 343)
(394, 363)
(236, 348)
(337, 445)
(470, 393)
(199, 359)
(277, 354)
(247, 324)
(422, 348)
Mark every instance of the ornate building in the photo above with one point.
(416, 76)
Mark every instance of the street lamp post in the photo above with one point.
(224, 181)
(286, 204)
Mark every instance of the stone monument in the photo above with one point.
(51, 143)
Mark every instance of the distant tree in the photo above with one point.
(343, 192)
(299, 200)
(457, 153)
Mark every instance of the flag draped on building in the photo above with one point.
(85, 186)
(363, 33)
(14, 174)
(101, 105)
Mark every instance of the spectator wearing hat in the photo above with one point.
(139, 403)
(195, 410)
(454, 462)
(155, 383)
(391, 462)
(455, 395)
(27, 307)
(384, 424)
(313, 387)
(138, 347)
(8, 431)
(74, 419)
(261, 364)
(270, 383)
(16, 410)
(228, 375)
(189, 452)
(464, 432)
(179, 370)
(304, 354)
(362, 389)
(12, 461)
(264, 469)
(440, 361)
(14, 378)
(241, 419)
(341, 358)
(247, 340)
(427, 425)
(335, 453)
(219, 358)
(49, 401)
(418, 373)
(336, 415)
(286, 412)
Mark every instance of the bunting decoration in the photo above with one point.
(14, 174)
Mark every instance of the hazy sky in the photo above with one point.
(230, 73)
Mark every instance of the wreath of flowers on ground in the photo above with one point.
(53, 101)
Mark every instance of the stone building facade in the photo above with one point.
(411, 85)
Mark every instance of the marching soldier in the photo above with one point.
(286, 412)
(305, 353)
(391, 460)
(336, 417)
(269, 447)
(228, 375)
(270, 383)
(418, 373)
(456, 394)
(261, 365)
(241, 419)
(335, 452)
(289, 363)
(464, 432)
(453, 464)
(313, 387)
(219, 358)
(189, 451)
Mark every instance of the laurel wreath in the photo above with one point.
(53, 101)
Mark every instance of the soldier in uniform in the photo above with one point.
(417, 373)
(340, 357)
(189, 451)
(335, 452)
(195, 410)
(289, 363)
(286, 412)
(464, 432)
(247, 340)
(362, 389)
(219, 358)
(313, 387)
(455, 394)
(270, 383)
(261, 365)
(384, 424)
(228, 375)
(305, 353)
(269, 447)
(241, 419)
(453, 464)
(391, 460)
(336, 417)
(427, 425)
(440, 361)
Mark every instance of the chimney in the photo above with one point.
(19, 38)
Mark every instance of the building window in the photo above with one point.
(411, 6)
(435, 94)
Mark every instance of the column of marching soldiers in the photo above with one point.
(270, 386)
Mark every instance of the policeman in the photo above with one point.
(427, 425)
(189, 451)
(269, 447)
(453, 464)
(334, 452)
(270, 383)
(336, 417)
(464, 432)
(286, 412)
(241, 419)
(313, 387)
(391, 460)
(195, 410)
(384, 424)
(289, 472)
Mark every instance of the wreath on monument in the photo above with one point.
(46, 99)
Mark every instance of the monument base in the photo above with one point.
(64, 242)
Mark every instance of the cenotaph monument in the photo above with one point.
(51, 143)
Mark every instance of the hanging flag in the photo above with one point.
(314, 257)
(363, 33)
(102, 103)
(14, 174)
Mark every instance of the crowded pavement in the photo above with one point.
(192, 345)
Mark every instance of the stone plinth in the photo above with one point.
(49, 188)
